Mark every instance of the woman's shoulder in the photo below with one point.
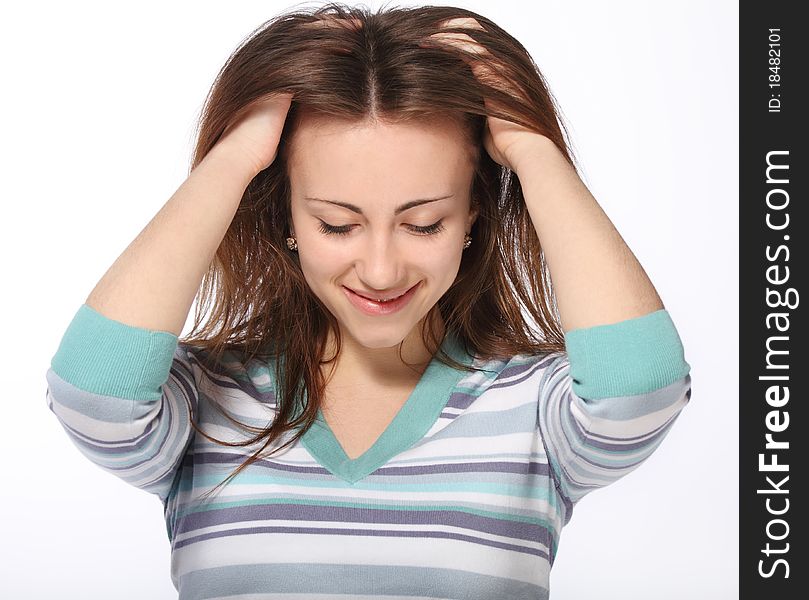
(229, 370)
(515, 371)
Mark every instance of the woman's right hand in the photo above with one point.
(253, 140)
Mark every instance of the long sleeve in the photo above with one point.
(124, 395)
(607, 402)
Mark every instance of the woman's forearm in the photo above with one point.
(596, 278)
(153, 283)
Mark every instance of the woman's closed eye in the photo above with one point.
(346, 229)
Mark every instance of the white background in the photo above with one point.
(98, 110)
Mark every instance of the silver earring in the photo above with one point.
(467, 241)
(292, 244)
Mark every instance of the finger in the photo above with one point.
(462, 22)
(460, 40)
(468, 47)
(331, 21)
(471, 50)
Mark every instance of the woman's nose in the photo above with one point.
(380, 265)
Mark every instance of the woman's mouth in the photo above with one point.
(374, 307)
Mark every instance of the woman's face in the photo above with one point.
(378, 170)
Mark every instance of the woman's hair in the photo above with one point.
(351, 64)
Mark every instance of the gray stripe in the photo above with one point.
(354, 581)
(461, 400)
(622, 408)
(614, 444)
(347, 531)
(527, 364)
(103, 445)
(518, 376)
(228, 379)
(103, 408)
(518, 530)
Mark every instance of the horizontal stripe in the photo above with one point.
(473, 508)
(357, 580)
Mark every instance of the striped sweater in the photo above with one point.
(464, 495)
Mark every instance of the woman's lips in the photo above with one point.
(387, 298)
(372, 307)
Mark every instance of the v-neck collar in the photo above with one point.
(411, 423)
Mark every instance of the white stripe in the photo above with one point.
(642, 427)
(359, 550)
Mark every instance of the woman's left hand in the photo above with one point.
(504, 141)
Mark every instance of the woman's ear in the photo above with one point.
(473, 214)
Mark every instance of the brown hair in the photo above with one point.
(351, 64)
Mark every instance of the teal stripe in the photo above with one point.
(635, 356)
(107, 357)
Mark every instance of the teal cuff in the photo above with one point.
(631, 357)
(107, 357)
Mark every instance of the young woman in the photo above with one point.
(427, 341)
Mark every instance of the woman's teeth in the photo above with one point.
(383, 301)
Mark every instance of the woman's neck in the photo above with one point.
(380, 367)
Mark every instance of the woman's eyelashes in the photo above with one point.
(346, 229)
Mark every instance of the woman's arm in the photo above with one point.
(596, 278)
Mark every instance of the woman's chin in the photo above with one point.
(382, 336)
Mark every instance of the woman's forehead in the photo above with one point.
(394, 162)
(337, 148)
(325, 129)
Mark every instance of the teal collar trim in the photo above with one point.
(411, 423)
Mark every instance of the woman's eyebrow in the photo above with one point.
(398, 210)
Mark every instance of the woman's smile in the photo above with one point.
(376, 308)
